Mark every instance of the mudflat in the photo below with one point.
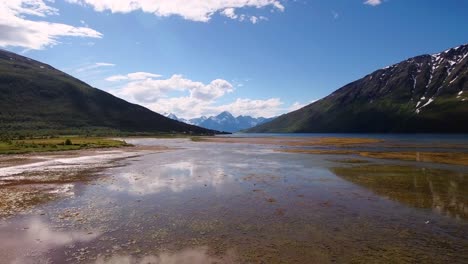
(237, 200)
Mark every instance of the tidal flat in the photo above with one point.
(238, 200)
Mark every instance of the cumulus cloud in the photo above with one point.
(16, 30)
(255, 19)
(149, 89)
(185, 106)
(243, 106)
(194, 10)
(230, 13)
(373, 2)
(188, 99)
(95, 66)
(188, 107)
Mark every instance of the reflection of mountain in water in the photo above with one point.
(444, 191)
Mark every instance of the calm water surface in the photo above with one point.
(241, 203)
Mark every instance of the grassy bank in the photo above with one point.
(19, 146)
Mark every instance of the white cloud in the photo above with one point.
(104, 64)
(132, 76)
(149, 89)
(174, 177)
(373, 2)
(198, 255)
(296, 106)
(242, 106)
(254, 19)
(94, 66)
(189, 107)
(194, 10)
(196, 98)
(16, 30)
(117, 78)
(185, 107)
(39, 237)
(230, 13)
(84, 23)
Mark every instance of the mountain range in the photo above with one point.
(225, 121)
(36, 98)
(424, 94)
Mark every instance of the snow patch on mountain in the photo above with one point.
(225, 121)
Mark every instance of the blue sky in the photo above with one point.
(256, 57)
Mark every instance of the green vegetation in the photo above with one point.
(38, 100)
(68, 142)
(197, 139)
(400, 99)
(455, 158)
(443, 190)
(19, 146)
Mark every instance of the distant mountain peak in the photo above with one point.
(225, 114)
(172, 116)
(224, 121)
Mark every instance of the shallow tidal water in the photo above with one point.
(202, 202)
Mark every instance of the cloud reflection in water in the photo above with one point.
(174, 177)
(36, 239)
(188, 256)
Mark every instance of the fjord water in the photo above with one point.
(202, 202)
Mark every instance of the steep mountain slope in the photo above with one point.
(36, 98)
(225, 121)
(427, 93)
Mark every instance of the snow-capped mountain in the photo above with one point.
(225, 121)
(197, 120)
(427, 93)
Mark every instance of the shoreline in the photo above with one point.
(162, 191)
(9, 160)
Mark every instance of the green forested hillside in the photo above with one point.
(35, 98)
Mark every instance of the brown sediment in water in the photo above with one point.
(265, 208)
(350, 161)
(26, 190)
(290, 141)
(327, 141)
(427, 146)
(30, 158)
(15, 200)
(455, 158)
(443, 190)
(8, 161)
